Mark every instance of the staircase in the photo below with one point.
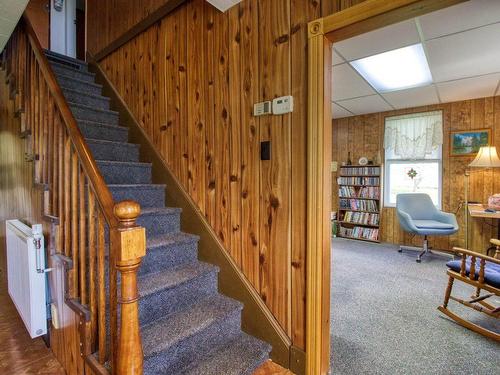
(187, 327)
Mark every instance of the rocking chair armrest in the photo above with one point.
(460, 251)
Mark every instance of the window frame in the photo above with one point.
(388, 162)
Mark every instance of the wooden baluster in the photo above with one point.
(50, 148)
(67, 195)
(101, 284)
(83, 241)
(482, 265)
(463, 265)
(128, 242)
(74, 220)
(61, 174)
(36, 124)
(54, 193)
(472, 270)
(91, 217)
(45, 133)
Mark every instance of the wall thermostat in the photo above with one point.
(283, 104)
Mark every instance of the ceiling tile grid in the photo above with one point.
(462, 45)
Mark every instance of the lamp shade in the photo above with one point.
(487, 157)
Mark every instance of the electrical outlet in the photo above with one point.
(282, 105)
(262, 108)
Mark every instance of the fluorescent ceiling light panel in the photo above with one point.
(395, 70)
(223, 5)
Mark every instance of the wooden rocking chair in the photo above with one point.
(481, 272)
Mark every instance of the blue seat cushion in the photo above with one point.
(491, 270)
(432, 224)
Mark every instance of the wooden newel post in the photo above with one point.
(130, 244)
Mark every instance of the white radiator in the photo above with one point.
(26, 274)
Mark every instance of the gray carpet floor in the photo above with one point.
(384, 317)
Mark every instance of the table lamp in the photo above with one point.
(487, 157)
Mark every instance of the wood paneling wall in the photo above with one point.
(191, 80)
(363, 136)
(115, 18)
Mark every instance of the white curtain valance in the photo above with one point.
(414, 136)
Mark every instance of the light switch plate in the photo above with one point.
(334, 166)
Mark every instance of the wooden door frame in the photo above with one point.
(361, 18)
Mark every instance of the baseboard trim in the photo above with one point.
(257, 319)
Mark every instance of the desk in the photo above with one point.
(477, 211)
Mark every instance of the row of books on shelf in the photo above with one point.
(362, 218)
(359, 232)
(352, 171)
(363, 192)
(358, 181)
(358, 205)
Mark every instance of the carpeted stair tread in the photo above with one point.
(147, 195)
(152, 283)
(70, 70)
(171, 329)
(85, 112)
(69, 78)
(241, 356)
(110, 150)
(92, 129)
(94, 100)
(117, 172)
(54, 56)
(160, 210)
(153, 242)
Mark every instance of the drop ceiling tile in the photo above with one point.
(366, 104)
(7, 26)
(346, 83)
(464, 16)
(469, 88)
(385, 39)
(414, 97)
(339, 112)
(336, 59)
(467, 54)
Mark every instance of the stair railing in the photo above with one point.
(82, 206)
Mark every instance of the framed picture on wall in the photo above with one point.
(467, 143)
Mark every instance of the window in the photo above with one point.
(413, 156)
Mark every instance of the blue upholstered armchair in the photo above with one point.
(418, 215)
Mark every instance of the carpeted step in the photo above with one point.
(125, 172)
(149, 195)
(173, 342)
(66, 60)
(160, 220)
(87, 113)
(109, 150)
(77, 84)
(169, 291)
(95, 101)
(241, 356)
(69, 70)
(96, 130)
(169, 251)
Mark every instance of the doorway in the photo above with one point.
(353, 21)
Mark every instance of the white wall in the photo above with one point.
(63, 28)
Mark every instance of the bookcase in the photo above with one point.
(359, 202)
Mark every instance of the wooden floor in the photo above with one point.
(21, 355)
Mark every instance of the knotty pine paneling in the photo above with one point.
(364, 134)
(194, 96)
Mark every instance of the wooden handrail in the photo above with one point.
(103, 195)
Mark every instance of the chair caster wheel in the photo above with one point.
(400, 250)
(419, 260)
